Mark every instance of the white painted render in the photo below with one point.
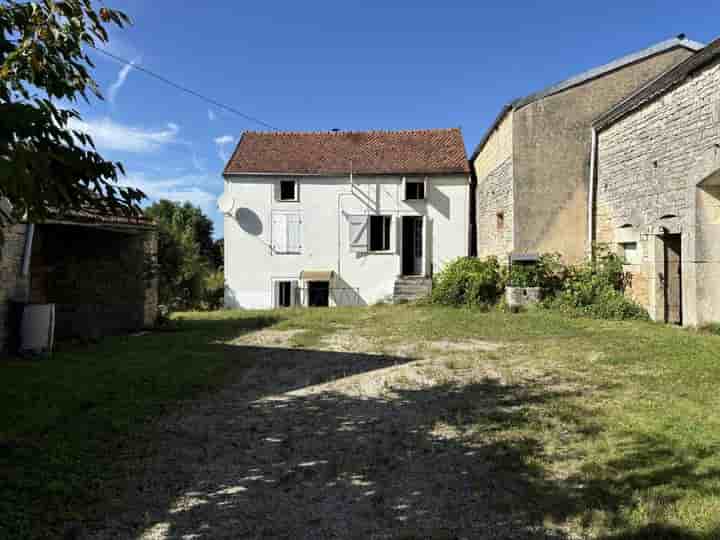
(326, 205)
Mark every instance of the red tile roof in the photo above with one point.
(430, 151)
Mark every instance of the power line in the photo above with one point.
(186, 90)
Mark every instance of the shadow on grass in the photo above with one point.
(280, 455)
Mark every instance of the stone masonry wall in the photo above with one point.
(495, 212)
(494, 195)
(13, 286)
(658, 170)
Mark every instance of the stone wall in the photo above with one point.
(494, 195)
(495, 212)
(552, 140)
(658, 171)
(13, 286)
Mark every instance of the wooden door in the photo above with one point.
(673, 278)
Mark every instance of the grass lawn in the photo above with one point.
(613, 425)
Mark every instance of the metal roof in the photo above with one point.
(594, 73)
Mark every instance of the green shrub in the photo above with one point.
(469, 281)
(547, 273)
(213, 290)
(596, 289)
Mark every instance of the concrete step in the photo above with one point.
(411, 288)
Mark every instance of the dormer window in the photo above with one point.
(414, 190)
(288, 191)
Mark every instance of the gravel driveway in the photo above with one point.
(341, 442)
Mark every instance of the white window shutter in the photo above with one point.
(358, 227)
(276, 293)
(279, 233)
(294, 233)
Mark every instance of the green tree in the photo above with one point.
(187, 275)
(44, 164)
(186, 216)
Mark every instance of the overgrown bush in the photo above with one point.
(469, 281)
(547, 274)
(596, 289)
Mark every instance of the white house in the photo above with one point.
(342, 218)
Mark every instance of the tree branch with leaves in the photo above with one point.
(45, 165)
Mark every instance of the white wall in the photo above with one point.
(251, 265)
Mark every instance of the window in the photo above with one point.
(286, 232)
(380, 233)
(288, 190)
(414, 191)
(500, 217)
(284, 294)
(630, 252)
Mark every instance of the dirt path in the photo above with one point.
(335, 444)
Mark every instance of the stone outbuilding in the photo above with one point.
(96, 269)
(531, 167)
(656, 190)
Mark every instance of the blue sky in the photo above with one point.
(350, 65)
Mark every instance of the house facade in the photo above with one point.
(342, 218)
(656, 190)
(531, 167)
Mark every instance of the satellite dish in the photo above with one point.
(226, 204)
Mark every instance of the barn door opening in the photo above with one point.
(672, 278)
(412, 245)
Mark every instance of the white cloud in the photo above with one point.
(190, 188)
(211, 115)
(110, 135)
(222, 143)
(120, 81)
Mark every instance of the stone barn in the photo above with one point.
(97, 270)
(656, 190)
(531, 168)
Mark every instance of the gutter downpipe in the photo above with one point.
(472, 213)
(29, 234)
(339, 224)
(591, 192)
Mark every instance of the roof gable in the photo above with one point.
(661, 85)
(589, 75)
(431, 151)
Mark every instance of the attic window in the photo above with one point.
(500, 221)
(288, 190)
(414, 190)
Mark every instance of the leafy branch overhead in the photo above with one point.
(45, 165)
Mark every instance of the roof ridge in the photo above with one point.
(358, 132)
(608, 67)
